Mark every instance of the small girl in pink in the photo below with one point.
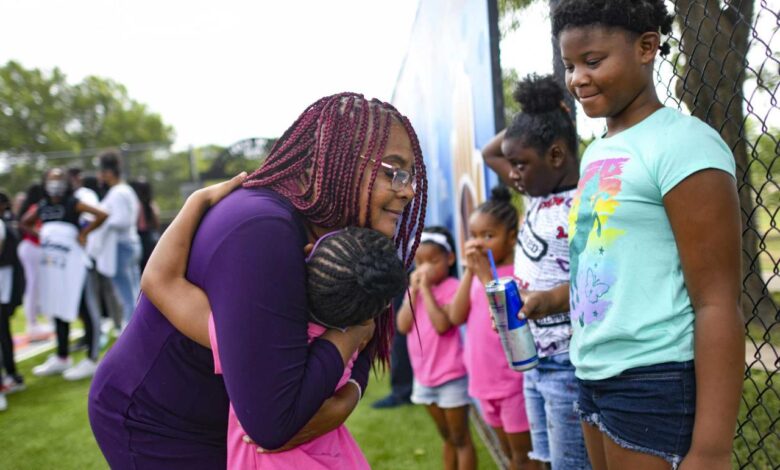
(498, 388)
(435, 347)
(334, 450)
(352, 275)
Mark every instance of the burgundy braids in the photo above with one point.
(313, 165)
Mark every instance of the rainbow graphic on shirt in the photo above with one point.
(590, 237)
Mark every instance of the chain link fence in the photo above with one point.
(724, 69)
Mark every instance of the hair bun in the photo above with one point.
(538, 94)
(500, 193)
(380, 275)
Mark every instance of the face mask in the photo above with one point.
(56, 188)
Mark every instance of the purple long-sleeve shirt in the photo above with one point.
(155, 401)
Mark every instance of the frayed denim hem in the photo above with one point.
(595, 420)
(534, 456)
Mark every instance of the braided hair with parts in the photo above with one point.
(353, 276)
(314, 166)
(637, 16)
(500, 207)
(543, 118)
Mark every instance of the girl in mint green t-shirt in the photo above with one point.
(654, 240)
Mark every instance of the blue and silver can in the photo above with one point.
(515, 333)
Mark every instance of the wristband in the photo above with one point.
(360, 389)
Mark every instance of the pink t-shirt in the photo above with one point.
(490, 376)
(435, 358)
(336, 449)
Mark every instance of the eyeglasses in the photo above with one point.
(399, 179)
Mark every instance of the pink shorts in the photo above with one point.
(506, 413)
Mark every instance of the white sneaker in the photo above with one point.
(53, 365)
(3, 402)
(82, 370)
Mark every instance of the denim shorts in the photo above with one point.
(452, 394)
(556, 434)
(647, 409)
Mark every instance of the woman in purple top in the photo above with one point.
(155, 401)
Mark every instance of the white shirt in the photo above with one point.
(122, 206)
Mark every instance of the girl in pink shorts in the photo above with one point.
(498, 388)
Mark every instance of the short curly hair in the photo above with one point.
(637, 16)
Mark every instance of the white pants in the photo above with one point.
(30, 258)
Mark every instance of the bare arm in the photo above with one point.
(460, 307)
(29, 219)
(709, 242)
(495, 159)
(405, 320)
(183, 303)
(100, 217)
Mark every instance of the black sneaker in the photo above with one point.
(390, 401)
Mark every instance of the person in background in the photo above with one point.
(90, 310)
(123, 207)
(11, 291)
(29, 253)
(58, 213)
(148, 219)
(436, 348)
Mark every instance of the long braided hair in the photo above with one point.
(313, 165)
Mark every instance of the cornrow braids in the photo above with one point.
(543, 118)
(353, 276)
(500, 207)
(637, 16)
(314, 163)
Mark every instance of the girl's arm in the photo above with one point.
(495, 160)
(704, 213)
(29, 219)
(100, 217)
(460, 307)
(183, 303)
(405, 320)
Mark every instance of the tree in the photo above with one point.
(508, 11)
(44, 119)
(713, 66)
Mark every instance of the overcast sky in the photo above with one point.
(222, 71)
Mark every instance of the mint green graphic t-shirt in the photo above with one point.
(629, 304)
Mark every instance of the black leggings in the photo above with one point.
(63, 337)
(6, 341)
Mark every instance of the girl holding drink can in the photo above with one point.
(499, 389)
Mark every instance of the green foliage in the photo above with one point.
(41, 112)
(508, 11)
(509, 79)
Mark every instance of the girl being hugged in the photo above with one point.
(540, 147)
(435, 346)
(654, 238)
(499, 389)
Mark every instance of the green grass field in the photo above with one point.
(46, 427)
